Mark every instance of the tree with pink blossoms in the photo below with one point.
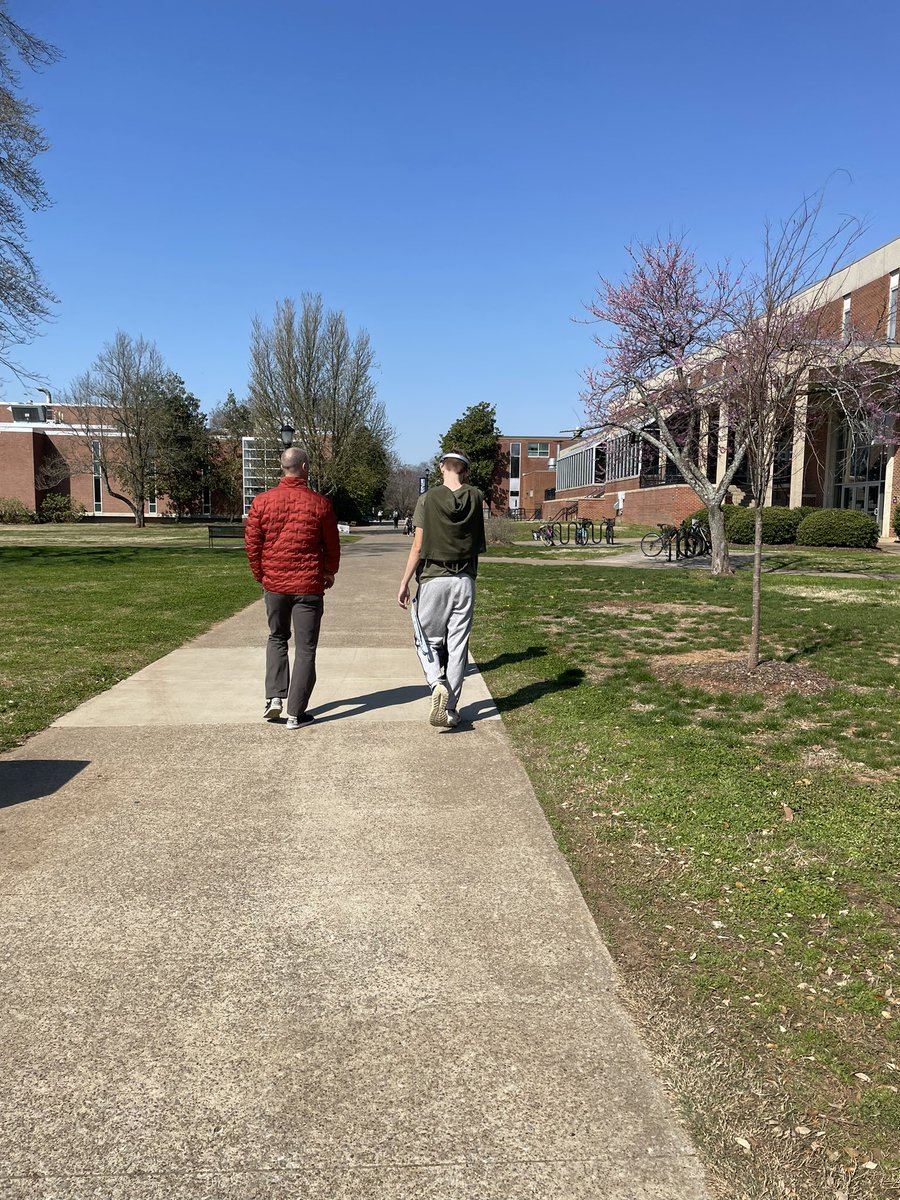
(665, 323)
(714, 370)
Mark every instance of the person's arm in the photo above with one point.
(253, 541)
(412, 562)
(331, 547)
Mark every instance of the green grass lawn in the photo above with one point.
(804, 558)
(520, 531)
(78, 618)
(532, 549)
(738, 847)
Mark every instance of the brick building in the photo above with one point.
(525, 478)
(42, 451)
(826, 466)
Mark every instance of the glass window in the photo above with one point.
(262, 467)
(892, 307)
(98, 490)
(515, 459)
(538, 449)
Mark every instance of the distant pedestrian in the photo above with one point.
(449, 536)
(409, 526)
(294, 552)
(395, 517)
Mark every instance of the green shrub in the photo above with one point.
(701, 515)
(739, 524)
(780, 525)
(14, 512)
(896, 518)
(837, 527)
(60, 510)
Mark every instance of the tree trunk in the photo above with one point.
(721, 563)
(753, 652)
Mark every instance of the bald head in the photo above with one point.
(295, 461)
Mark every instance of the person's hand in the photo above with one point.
(403, 596)
(329, 582)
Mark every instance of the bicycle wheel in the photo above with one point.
(652, 544)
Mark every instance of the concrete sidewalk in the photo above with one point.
(342, 962)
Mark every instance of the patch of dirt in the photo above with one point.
(823, 758)
(719, 671)
(636, 606)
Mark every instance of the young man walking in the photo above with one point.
(294, 551)
(449, 536)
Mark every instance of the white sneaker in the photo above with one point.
(452, 718)
(273, 709)
(440, 694)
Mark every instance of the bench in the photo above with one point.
(229, 532)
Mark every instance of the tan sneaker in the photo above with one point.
(440, 694)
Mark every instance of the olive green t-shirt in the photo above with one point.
(452, 525)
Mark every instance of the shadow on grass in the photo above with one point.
(505, 660)
(570, 678)
(61, 555)
(32, 779)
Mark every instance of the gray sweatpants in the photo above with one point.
(446, 607)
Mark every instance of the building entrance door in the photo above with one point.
(864, 497)
(860, 469)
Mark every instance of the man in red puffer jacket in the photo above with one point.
(294, 551)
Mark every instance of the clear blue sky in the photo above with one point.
(452, 176)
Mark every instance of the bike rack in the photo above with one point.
(592, 538)
(563, 541)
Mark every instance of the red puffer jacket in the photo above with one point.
(292, 539)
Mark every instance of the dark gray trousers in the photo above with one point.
(303, 616)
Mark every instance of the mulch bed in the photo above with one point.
(715, 671)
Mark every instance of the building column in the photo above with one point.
(798, 452)
(703, 439)
(722, 456)
(890, 499)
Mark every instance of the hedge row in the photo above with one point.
(55, 509)
(798, 526)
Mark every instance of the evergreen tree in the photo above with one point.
(180, 461)
(477, 435)
(229, 422)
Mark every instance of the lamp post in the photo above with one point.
(287, 436)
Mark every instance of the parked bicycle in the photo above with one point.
(545, 534)
(694, 542)
(581, 532)
(653, 544)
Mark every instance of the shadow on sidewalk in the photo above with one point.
(31, 779)
(370, 702)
